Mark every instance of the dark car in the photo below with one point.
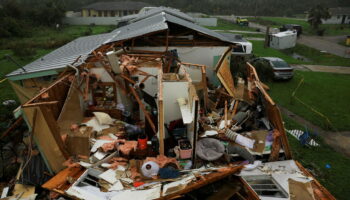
(280, 68)
(296, 27)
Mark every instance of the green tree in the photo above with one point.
(316, 14)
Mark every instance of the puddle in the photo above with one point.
(300, 57)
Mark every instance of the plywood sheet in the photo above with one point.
(45, 140)
(72, 111)
(300, 191)
(225, 76)
(23, 94)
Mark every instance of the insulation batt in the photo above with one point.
(162, 160)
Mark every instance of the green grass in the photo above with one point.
(315, 56)
(334, 179)
(328, 93)
(41, 40)
(227, 25)
(259, 50)
(7, 66)
(276, 22)
(44, 37)
(318, 57)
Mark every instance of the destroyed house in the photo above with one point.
(152, 111)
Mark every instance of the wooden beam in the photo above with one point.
(40, 104)
(12, 127)
(160, 112)
(276, 146)
(127, 79)
(210, 178)
(327, 194)
(205, 87)
(119, 84)
(48, 88)
(142, 106)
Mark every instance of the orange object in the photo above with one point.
(138, 184)
(142, 143)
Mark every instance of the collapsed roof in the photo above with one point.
(77, 51)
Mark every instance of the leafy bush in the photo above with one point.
(88, 32)
(11, 27)
(264, 71)
(23, 51)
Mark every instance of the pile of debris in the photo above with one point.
(129, 118)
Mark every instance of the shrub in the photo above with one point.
(264, 71)
(23, 51)
(88, 32)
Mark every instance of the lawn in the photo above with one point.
(276, 22)
(44, 37)
(227, 25)
(335, 179)
(318, 57)
(259, 50)
(42, 41)
(327, 93)
(315, 56)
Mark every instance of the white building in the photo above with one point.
(340, 15)
(283, 40)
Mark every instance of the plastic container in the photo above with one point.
(185, 149)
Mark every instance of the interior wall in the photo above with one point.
(194, 72)
(171, 92)
(151, 84)
(207, 56)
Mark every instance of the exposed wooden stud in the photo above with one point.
(160, 112)
(12, 127)
(40, 104)
(142, 106)
(225, 117)
(46, 89)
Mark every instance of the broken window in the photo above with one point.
(265, 185)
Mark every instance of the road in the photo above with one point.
(327, 44)
(323, 44)
(322, 68)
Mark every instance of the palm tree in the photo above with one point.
(316, 14)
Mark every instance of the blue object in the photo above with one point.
(168, 172)
(304, 137)
(328, 166)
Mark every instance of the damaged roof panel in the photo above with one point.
(148, 25)
(196, 27)
(83, 46)
(157, 10)
(65, 55)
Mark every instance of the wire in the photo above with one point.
(3, 80)
(308, 106)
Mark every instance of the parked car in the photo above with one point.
(280, 68)
(242, 21)
(296, 27)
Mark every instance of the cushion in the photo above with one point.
(210, 149)
(103, 118)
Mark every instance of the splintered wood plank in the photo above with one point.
(59, 183)
(142, 106)
(210, 178)
(319, 191)
(225, 76)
